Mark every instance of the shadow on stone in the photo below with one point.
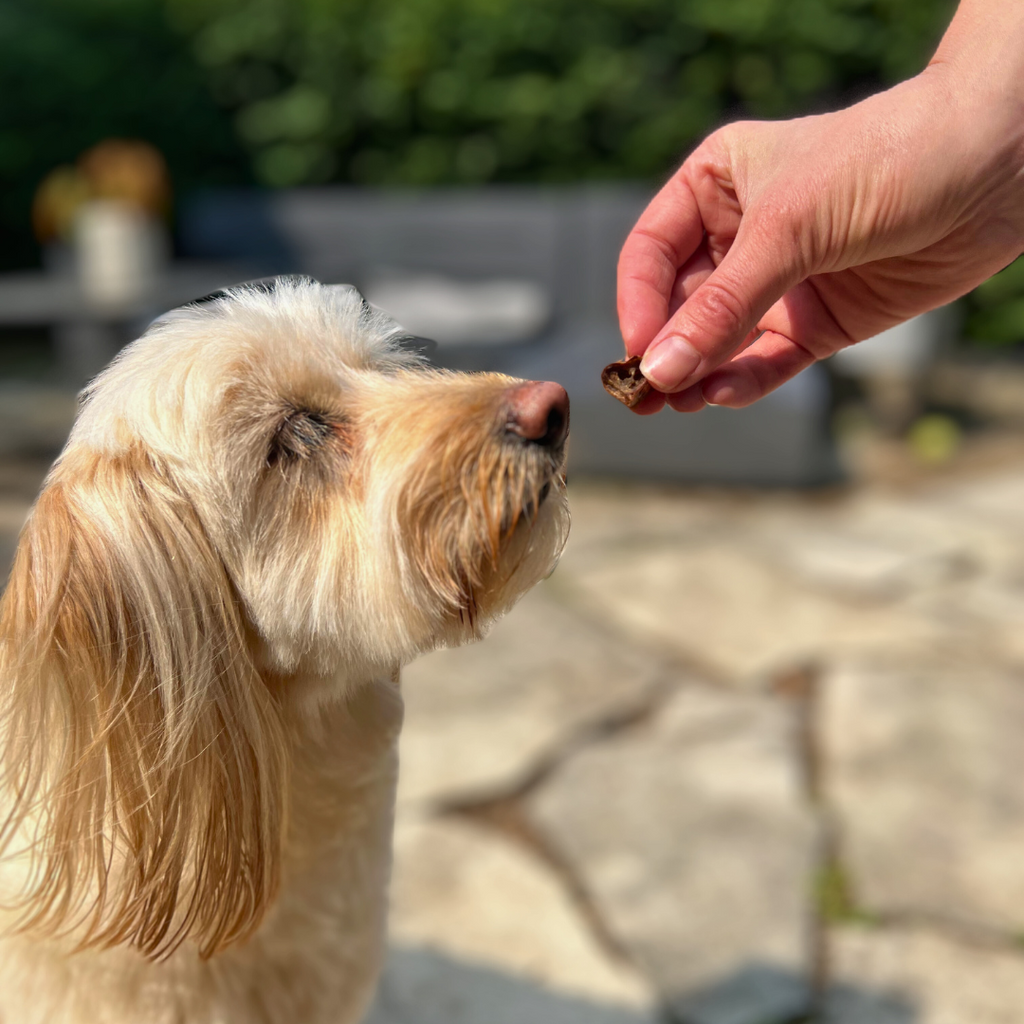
(763, 994)
(851, 1004)
(420, 986)
(754, 994)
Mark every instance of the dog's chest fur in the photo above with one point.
(315, 956)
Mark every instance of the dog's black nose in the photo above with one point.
(539, 412)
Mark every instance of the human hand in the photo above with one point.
(776, 244)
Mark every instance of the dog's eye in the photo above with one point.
(301, 434)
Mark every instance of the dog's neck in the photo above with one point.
(338, 747)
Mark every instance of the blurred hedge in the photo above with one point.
(996, 308)
(430, 91)
(422, 92)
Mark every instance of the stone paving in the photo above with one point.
(767, 750)
(744, 759)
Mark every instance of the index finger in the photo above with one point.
(663, 239)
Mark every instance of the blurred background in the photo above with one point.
(752, 755)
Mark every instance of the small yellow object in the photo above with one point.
(56, 203)
(934, 438)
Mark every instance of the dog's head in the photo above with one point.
(265, 500)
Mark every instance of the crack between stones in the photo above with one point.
(802, 686)
(834, 899)
(509, 817)
(507, 813)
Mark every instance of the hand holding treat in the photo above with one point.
(778, 243)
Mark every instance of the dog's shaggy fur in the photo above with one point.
(266, 506)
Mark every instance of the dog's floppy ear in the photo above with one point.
(142, 762)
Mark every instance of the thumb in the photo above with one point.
(720, 316)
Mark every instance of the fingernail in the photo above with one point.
(671, 364)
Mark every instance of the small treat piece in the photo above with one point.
(625, 382)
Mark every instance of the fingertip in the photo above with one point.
(651, 403)
(729, 389)
(639, 322)
(690, 400)
(768, 363)
(670, 364)
(634, 340)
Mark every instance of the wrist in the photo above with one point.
(976, 112)
(978, 70)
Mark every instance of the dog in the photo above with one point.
(268, 504)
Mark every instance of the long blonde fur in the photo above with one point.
(138, 733)
(266, 507)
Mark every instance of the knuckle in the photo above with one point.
(723, 309)
(655, 245)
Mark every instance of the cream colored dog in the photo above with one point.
(266, 506)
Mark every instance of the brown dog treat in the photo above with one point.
(625, 382)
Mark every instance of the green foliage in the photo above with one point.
(433, 91)
(997, 308)
(422, 92)
(73, 72)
